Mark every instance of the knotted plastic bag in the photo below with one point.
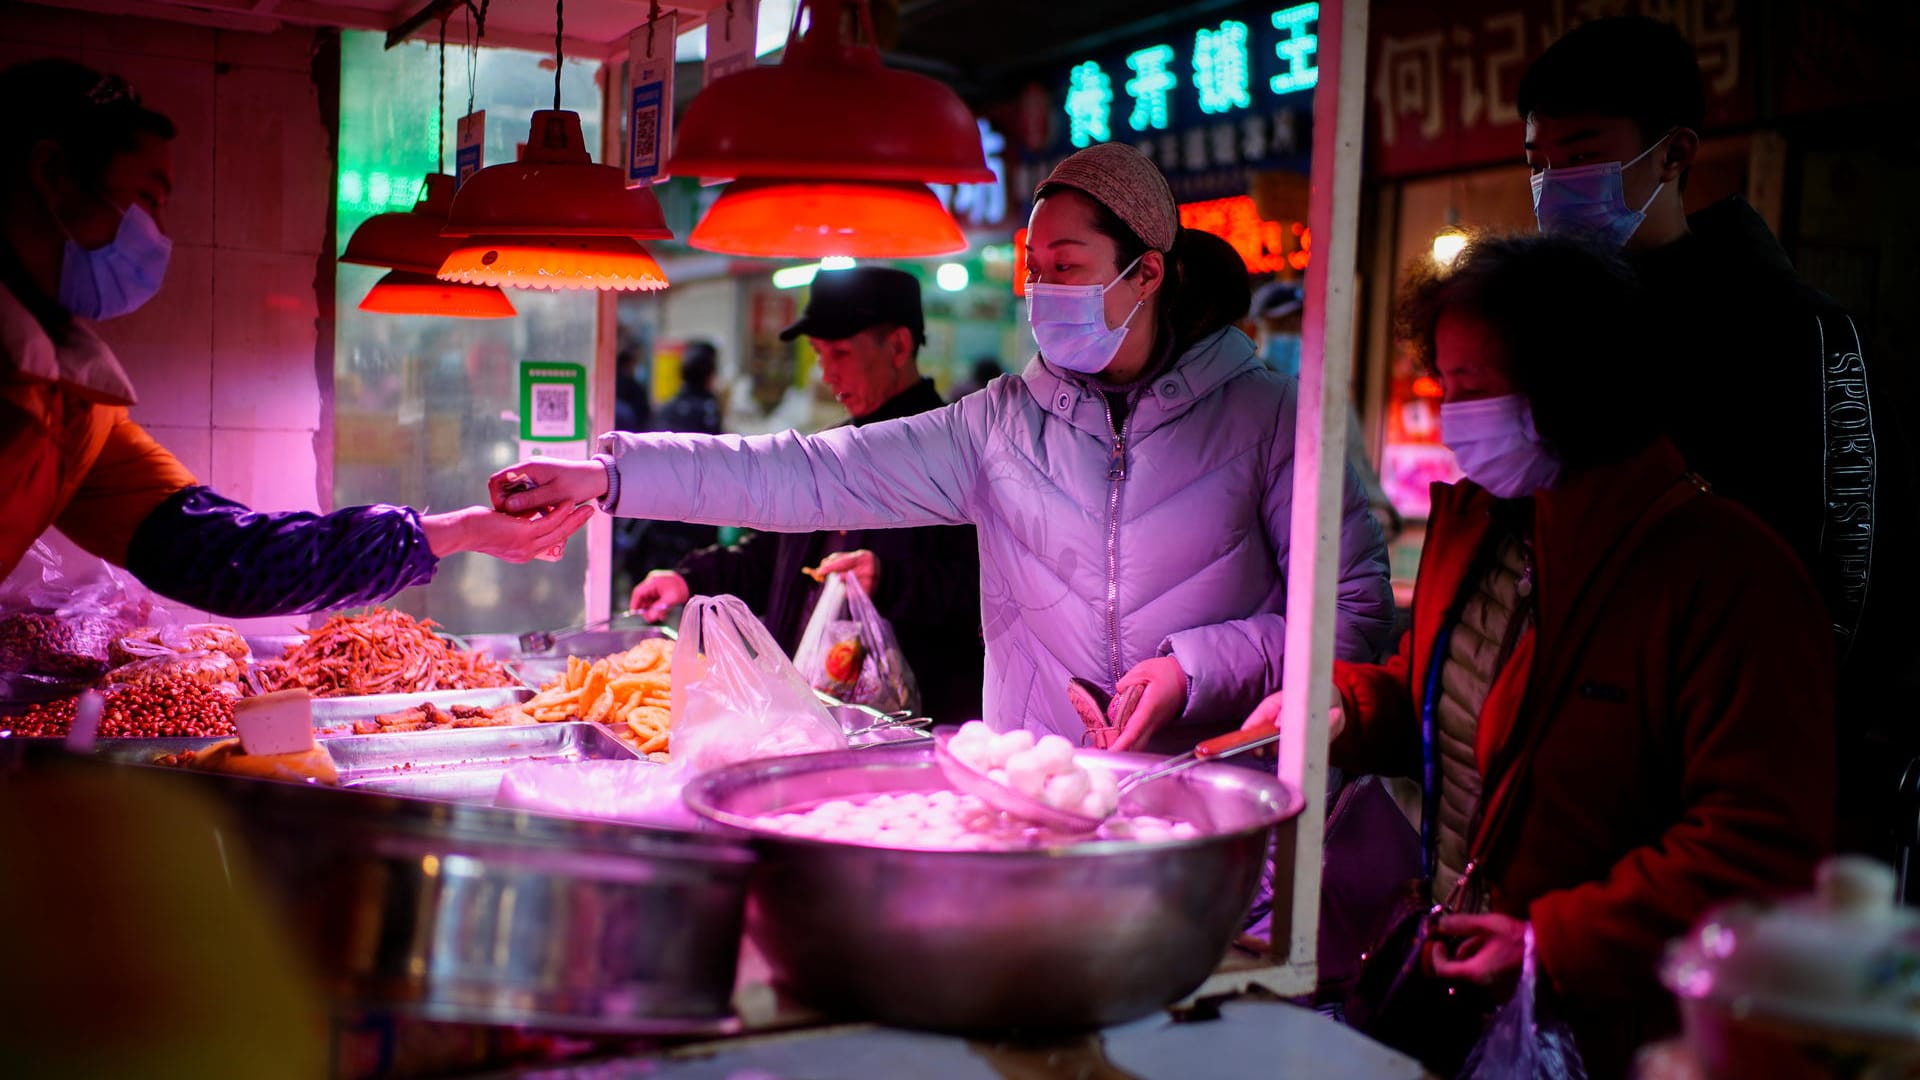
(1521, 1042)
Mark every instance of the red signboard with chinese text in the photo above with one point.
(1443, 77)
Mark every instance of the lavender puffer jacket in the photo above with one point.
(1096, 551)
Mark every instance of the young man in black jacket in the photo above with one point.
(867, 327)
(1770, 392)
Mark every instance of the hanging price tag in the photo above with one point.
(473, 138)
(650, 100)
(731, 30)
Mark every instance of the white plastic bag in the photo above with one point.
(1522, 1042)
(736, 696)
(849, 650)
(636, 792)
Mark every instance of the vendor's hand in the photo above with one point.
(1163, 700)
(658, 593)
(1266, 717)
(1485, 950)
(555, 485)
(863, 565)
(515, 539)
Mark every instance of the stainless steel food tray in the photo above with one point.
(464, 764)
(336, 711)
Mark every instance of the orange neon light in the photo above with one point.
(1268, 247)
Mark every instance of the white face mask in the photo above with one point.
(1590, 201)
(1496, 445)
(1070, 323)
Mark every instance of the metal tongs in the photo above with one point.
(881, 721)
(543, 641)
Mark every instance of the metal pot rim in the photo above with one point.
(703, 793)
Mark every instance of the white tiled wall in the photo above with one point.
(226, 359)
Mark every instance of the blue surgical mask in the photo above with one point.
(1070, 323)
(108, 282)
(1590, 201)
(1282, 353)
(1496, 445)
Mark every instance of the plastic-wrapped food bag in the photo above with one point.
(172, 653)
(57, 624)
(849, 650)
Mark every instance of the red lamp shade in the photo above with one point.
(555, 189)
(812, 219)
(407, 240)
(555, 262)
(405, 293)
(829, 109)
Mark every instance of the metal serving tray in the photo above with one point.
(464, 764)
(338, 711)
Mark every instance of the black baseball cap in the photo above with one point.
(845, 302)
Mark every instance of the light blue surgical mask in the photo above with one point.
(1070, 323)
(1495, 442)
(108, 282)
(1282, 353)
(1590, 201)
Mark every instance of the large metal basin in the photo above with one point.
(1076, 936)
(482, 915)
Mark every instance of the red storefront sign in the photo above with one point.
(1442, 80)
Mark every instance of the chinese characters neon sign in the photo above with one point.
(1221, 72)
(1089, 105)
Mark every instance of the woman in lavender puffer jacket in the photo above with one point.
(1131, 488)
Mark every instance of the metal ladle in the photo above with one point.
(1012, 802)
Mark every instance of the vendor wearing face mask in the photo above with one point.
(1773, 394)
(1616, 689)
(1132, 488)
(85, 174)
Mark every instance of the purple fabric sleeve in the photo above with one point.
(203, 549)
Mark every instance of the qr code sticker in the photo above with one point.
(646, 137)
(553, 411)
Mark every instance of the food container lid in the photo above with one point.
(1845, 960)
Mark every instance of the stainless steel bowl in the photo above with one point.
(481, 915)
(1076, 936)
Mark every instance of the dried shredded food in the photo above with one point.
(381, 652)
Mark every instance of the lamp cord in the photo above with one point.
(440, 111)
(559, 27)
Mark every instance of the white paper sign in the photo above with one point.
(731, 29)
(473, 138)
(650, 100)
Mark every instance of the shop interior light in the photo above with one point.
(405, 293)
(1447, 246)
(830, 110)
(837, 262)
(555, 262)
(812, 218)
(952, 277)
(795, 277)
(554, 219)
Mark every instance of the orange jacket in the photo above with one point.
(1692, 759)
(72, 458)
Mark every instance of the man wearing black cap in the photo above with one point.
(866, 326)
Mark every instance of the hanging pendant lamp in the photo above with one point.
(554, 219)
(409, 243)
(403, 292)
(805, 218)
(830, 110)
(555, 262)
